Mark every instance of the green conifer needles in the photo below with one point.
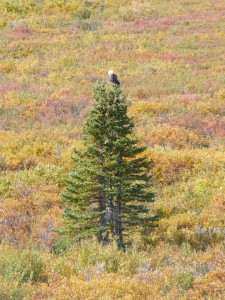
(107, 194)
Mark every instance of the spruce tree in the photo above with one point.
(107, 194)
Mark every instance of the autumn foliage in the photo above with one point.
(169, 58)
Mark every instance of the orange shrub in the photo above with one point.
(172, 136)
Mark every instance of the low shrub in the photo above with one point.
(21, 265)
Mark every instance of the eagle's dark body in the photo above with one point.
(113, 78)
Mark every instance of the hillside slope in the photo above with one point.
(169, 56)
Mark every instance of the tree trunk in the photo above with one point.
(103, 236)
(119, 222)
(120, 239)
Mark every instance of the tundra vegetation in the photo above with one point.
(169, 56)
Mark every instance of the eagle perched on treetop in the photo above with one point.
(113, 78)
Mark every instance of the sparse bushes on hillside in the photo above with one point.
(169, 56)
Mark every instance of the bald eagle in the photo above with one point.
(113, 78)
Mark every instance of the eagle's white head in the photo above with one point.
(110, 72)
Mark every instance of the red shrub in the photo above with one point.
(60, 110)
(21, 30)
(210, 125)
(7, 87)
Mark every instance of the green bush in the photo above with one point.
(184, 280)
(13, 291)
(21, 265)
(91, 256)
(204, 237)
(19, 7)
(83, 13)
(3, 24)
